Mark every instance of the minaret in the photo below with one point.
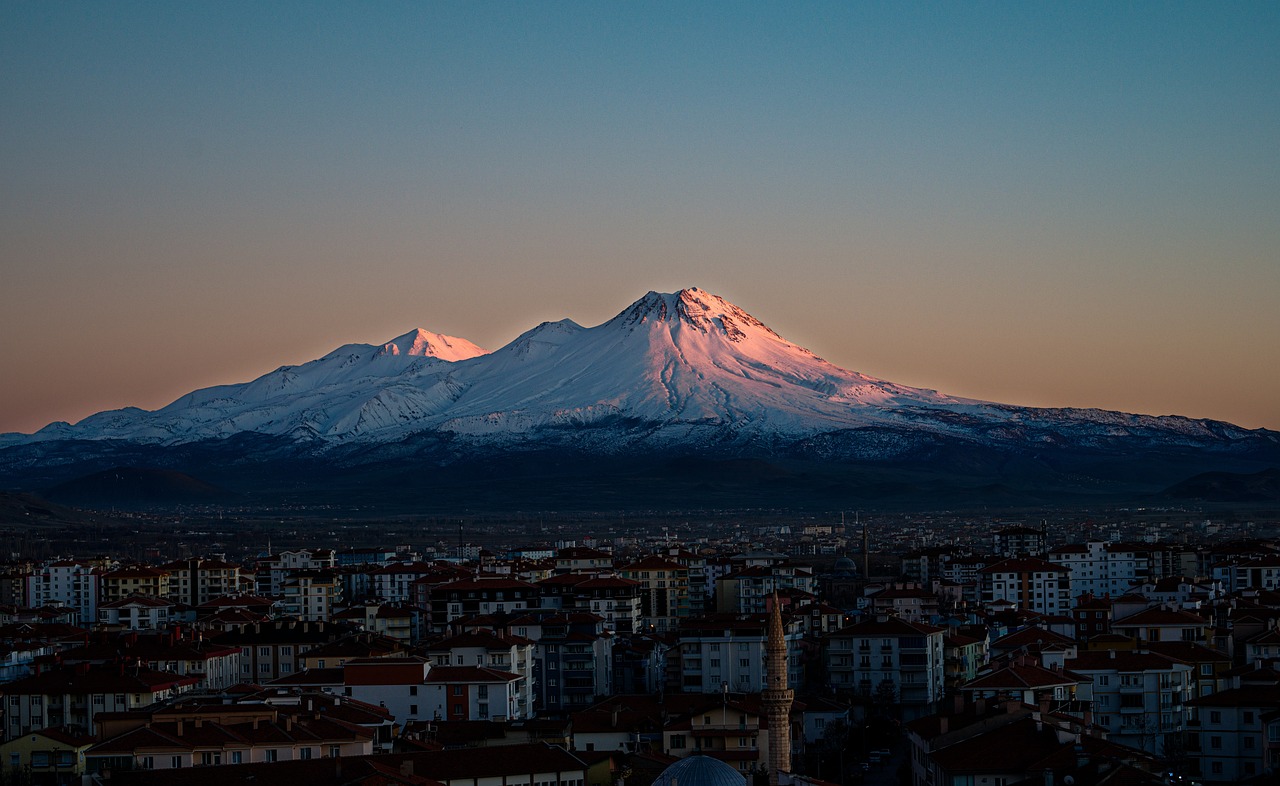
(866, 554)
(776, 697)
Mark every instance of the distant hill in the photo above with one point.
(1261, 486)
(137, 487)
(28, 509)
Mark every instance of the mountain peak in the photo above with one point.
(424, 343)
(696, 308)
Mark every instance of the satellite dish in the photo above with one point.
(1068, 780)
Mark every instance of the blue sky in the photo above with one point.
(1049, 204)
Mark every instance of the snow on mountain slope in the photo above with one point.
(687, 366)
(424, 343)
(688, 357)
(354, 390)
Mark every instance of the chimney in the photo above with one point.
(959, 703)
(1044, 705)
(1012, 705)
(1112, 654)
(1082, 757)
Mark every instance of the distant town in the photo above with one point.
(1125, 647)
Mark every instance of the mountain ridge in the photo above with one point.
(673, 374)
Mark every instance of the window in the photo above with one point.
(677, 742)
(413, 690)
(148, 762)
(1215, 716)
(175, 762)
(457, 690)
(413, 709)
(335, 751)
(272, 754)
(305, 753)
(237, 757)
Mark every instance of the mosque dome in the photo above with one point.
(700, 771)
(845, 565)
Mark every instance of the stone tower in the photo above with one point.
(777, 696)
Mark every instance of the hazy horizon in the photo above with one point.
(1069, 205)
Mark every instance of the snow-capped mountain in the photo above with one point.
(681, 397)
(687, 368)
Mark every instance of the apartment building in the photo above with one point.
(900, 661)
(1028, 583)
(134, 580)
(311, 595)
(727, 651)
(1234, 735)
(70, 583)
(664, 592)
(1139, 697)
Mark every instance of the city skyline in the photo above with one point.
(1072, 205)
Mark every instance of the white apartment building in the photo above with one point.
(747, 591)
(1139, 697)
(139, 612)
(1104, 568)
(507, 654)
(275, 569)
(1237, 734)
(727, 650)
(1029, 583)
(67, 583)
(888, 656)
(311, 596)
(393, 583)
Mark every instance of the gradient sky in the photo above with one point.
(1048, 204)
